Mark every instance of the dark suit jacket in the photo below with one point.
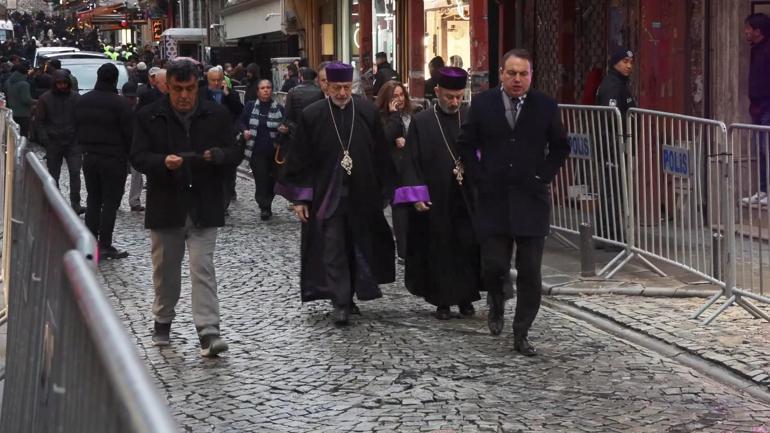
(510, 169)
(232, 101)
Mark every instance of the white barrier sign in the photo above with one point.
(676, 161)
(580, 146)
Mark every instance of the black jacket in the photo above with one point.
(510, 169)
(385, 73)
(147, 97)
(289, 84)
(55, 115)
(104, 121)
(231, 101)
(393, 127)
(300, 97)
(614, 92)
(196, 188)
(759, 73)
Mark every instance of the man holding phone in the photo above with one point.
(219, 92)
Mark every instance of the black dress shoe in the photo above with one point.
(496, 319)
(265, 215)
(443, 313)
(523, 346)
(354, 309)
(341, 316)
(467, 310)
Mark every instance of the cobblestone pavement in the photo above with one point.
(735, 339)
(396, 368)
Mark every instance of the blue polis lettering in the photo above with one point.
(676, 161)
(579, 146)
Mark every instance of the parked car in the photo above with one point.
(84, 69)
(74, 55)
(45, 51)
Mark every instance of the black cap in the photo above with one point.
(129, 89)
(381, 55)
(620, 54)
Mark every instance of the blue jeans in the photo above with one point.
(761, 141)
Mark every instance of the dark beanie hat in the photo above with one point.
(620, 54)
(108, 74)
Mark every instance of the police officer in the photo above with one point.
(614, 91)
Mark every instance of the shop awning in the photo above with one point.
(255, 17)
(102, 13)
(185, 34)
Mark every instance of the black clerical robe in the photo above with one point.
(442, 258)
(314, 176)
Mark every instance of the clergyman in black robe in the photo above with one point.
(338, 176)
(442, 255)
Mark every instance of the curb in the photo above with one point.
(713, 370)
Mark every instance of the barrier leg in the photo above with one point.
(730, 301)
(743, 303)
(652, 267)
(624, 257)
(753, 309)
(560, 238)
(706, 306)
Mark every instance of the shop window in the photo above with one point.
(447, 32)
(384, 29)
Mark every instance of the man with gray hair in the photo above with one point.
(157, 77)
(219, 92)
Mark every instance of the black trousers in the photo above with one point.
(400, 216)
(23, 125)
(105, 184)
(496, 253)
(263, 169)
(55, 154)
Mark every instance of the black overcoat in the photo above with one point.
(510, 169)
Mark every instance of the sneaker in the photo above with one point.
(112, 253)
(161, 335)
(758, 198)
(212, 345)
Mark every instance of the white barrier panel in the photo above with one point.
(590, 188)
(681, 170)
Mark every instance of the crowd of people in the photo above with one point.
(340, 148)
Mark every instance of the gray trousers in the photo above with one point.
(168, 246)
(135, 190)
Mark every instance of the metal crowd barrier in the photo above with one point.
(70, 365)
(666, 190)
(747, 221)
(680, 171)
(590, 188)
(752, 218)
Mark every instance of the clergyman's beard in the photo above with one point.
(338, 103)
(447, 109)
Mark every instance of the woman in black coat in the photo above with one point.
(396, 112)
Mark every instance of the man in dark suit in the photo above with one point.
(512, 145)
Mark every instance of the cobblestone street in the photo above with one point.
(396, 368)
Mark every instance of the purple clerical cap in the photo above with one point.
(338, 72)
(452, 78)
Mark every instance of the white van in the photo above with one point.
(6, 30)
(44, 51)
